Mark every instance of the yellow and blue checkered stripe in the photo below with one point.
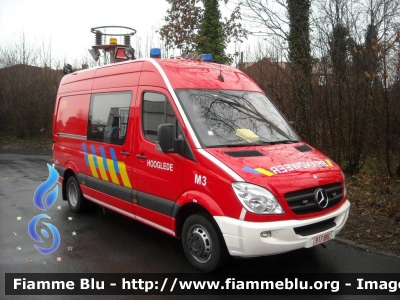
(108, 169)
(259, 171)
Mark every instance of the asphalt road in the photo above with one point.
(105, 242)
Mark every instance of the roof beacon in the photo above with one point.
(207, 57)
(155, 53)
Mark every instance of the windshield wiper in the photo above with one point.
(229, 145)
(275, 142)
(283, 142)
(239, 145)
(255, 144)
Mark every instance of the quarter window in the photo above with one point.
(108, 117)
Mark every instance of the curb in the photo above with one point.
(365, 248)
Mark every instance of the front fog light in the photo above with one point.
(256, 199)
(266, 234)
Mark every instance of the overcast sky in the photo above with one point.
(66, 24)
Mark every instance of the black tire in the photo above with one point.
(75, 197)
(203, 243)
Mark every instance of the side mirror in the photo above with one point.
(165, 138)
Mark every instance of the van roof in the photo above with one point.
(179, 72)
(199, 75)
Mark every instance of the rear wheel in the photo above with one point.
(74, 196)
(203, 244)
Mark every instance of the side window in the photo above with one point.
(156, 110)
(108, 117)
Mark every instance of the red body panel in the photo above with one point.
(151, 76)
(71, 119)
(78, 81)
(281, 161)
(213, 184)
(127, 75)
(72, 114)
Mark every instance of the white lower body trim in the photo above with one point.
(243, 238)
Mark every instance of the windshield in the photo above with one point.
(234, 118)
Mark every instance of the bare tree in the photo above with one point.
(28, 88)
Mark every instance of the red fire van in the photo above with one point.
(194, 149)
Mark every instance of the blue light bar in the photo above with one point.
(207, 57)
(155, 52)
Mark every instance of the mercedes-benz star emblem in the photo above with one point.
(321, 197)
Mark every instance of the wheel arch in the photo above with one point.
(70, 170)
(195, 203)
(67, 174)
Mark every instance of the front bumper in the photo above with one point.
(243, 238)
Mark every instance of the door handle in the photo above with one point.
(141, 156)
(125, 153)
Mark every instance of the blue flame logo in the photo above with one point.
(40, 192)
(44, 201)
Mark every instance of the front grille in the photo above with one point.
(244, 153)
(303, 201)
(315, 228)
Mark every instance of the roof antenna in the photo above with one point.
(220, 76)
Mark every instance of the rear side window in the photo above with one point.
(156, 110)
(108, 117)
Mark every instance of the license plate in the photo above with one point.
(319, 239)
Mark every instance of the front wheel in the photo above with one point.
(74, 196)
(203, 244)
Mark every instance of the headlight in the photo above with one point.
(256, 199)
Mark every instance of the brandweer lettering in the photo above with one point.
(299, 165)
(160, 165)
